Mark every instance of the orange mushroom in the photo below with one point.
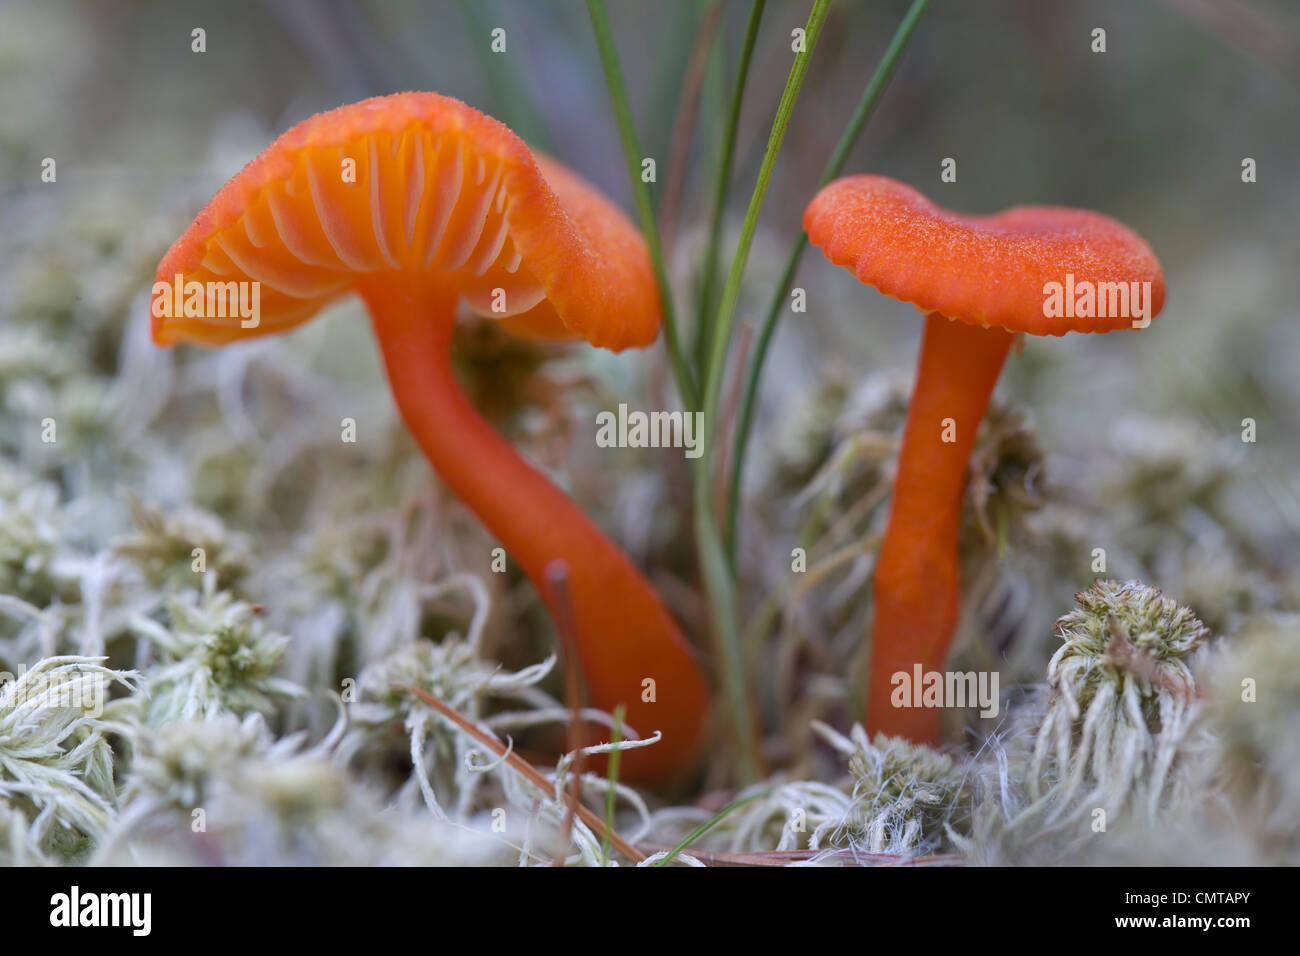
(1039, 270)
(415, 202)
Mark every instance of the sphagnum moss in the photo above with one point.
(19, 845)
(897, 800)
(36, 563)
(226, 791)
(1122, 699)
(907, 797)
(217, 655)
(1160, 497)
(56, 762)
(453, 776)
(454, 671)
(174, 550)
(1254, 694)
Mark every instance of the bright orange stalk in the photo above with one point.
(917, 580)
(624, 634)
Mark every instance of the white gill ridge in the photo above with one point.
(429, 203)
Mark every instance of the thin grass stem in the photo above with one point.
(641, 191)
(708, 825)
(866, 106)
(721, 188)
(718, 579)
(616, 736)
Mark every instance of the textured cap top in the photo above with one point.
(403, 188)
(1044, 270)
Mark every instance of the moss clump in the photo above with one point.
(36, 565)
(1121, 698)
(907, 798)
(56, 762)
(175, 550)
(218, 656)
(1004, 486)
(224, 791)
(1254, 691)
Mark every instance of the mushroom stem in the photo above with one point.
(917, 580)
(623, 633)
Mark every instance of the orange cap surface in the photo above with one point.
(403, 188)
(986, 270)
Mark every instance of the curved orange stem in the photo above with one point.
(623, 633)
(917, 580)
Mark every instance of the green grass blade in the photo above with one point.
(721, 187)
(644, 203)
(708, 825)
(866, 106)
(615, 736)
(718, 579)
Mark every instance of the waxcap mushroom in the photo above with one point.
(981, 280)
(416, 202)
(416, 182)
(985, 270)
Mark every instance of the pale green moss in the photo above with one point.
(216, 655)
(56, 761)
(224, 791)
(1122, 699)
(175, 551)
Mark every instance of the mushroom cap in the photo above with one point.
(434, 190)
(983, 270)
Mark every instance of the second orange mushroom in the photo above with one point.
(981, 280)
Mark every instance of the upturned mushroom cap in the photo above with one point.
(984, 270)
(437, 191)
